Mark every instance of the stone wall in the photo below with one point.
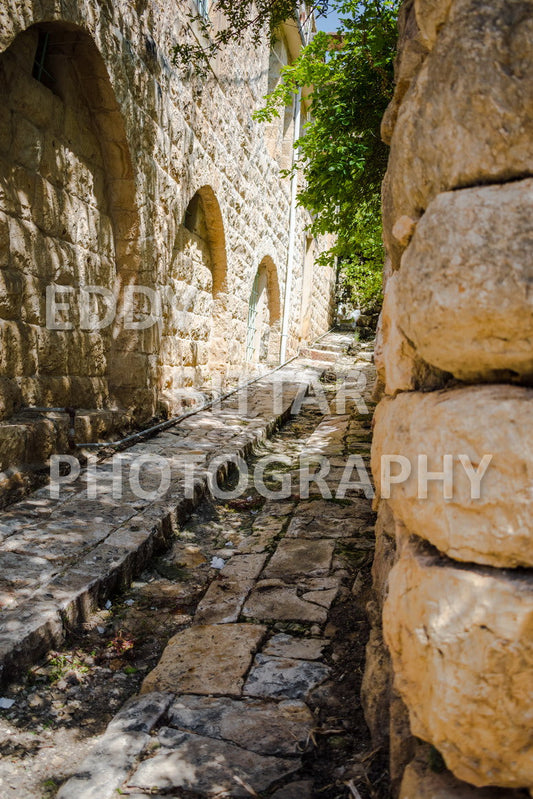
(118, 170)
(453, 572)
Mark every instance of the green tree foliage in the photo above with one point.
(252, 17)
(341, 155)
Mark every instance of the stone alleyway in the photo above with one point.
(247, 697)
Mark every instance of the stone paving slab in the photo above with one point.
(287, 646)
(275, 677)
(118, 750)
(206, 659)
(270, 602)
(97, 545)
(209, 767)
(225, 597)
(296, 558)
(268, 728)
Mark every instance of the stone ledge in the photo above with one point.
(84, 577)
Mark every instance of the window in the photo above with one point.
(203, 8)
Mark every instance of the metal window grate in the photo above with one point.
(39, 72)
(252, 319)
(203, 8)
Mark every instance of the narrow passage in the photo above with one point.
(242, 647)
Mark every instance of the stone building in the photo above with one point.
(148, 242)
(453, 569)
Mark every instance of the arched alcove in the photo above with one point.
(69, 222)
(194, 343)
(264, 314)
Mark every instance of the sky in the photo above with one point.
(329, 23)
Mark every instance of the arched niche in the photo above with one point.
(264, 315)
(69, 221)
(196, 317)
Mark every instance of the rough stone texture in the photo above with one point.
(120, 170)
(479, 420)
(282, 645)
(284, 677)
(117, 751)
(300, 558)
(271, 599)
(457, 201)
(460, 642)
(270, 729)
(470, 269)
(420, 782)
(206, 659)
(208, 767)
(224, 598)
(467, 117)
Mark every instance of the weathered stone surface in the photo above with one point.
(303, 789)
(288, 646)
(494, 529)
(284, 678)
(271, 599)
(462, 653)
(109, 763)
(223, 600)
(294, 558)
(269, 729)
(431, 15)
(469, 266)
(208, 767)
(206, 659)
(411, 52)
(395, 356)
(420, 782)
(377, 680)
(467, 117)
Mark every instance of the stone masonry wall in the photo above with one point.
(117, 170)
(453, 575)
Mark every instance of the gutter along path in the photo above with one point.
(61, 557)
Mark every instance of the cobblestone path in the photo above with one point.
(250, 697)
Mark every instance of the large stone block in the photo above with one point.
(421, 782)
(463, 293)
(496, 420)
(467, 118)
(462, 651)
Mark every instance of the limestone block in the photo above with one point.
(13, 445)
(376, 685)
(396, 355)
(463, 291)
(411, 52)
(420, 782)
(475, 421)
(462, 652)
(11, 286)
(26, 146)
(468, 117)
(431, 16)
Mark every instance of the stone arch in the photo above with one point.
(204, 203)
(69, 221)
(196, 318)
(264, 315)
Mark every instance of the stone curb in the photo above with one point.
(44, 621)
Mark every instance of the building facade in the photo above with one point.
(145, 229)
